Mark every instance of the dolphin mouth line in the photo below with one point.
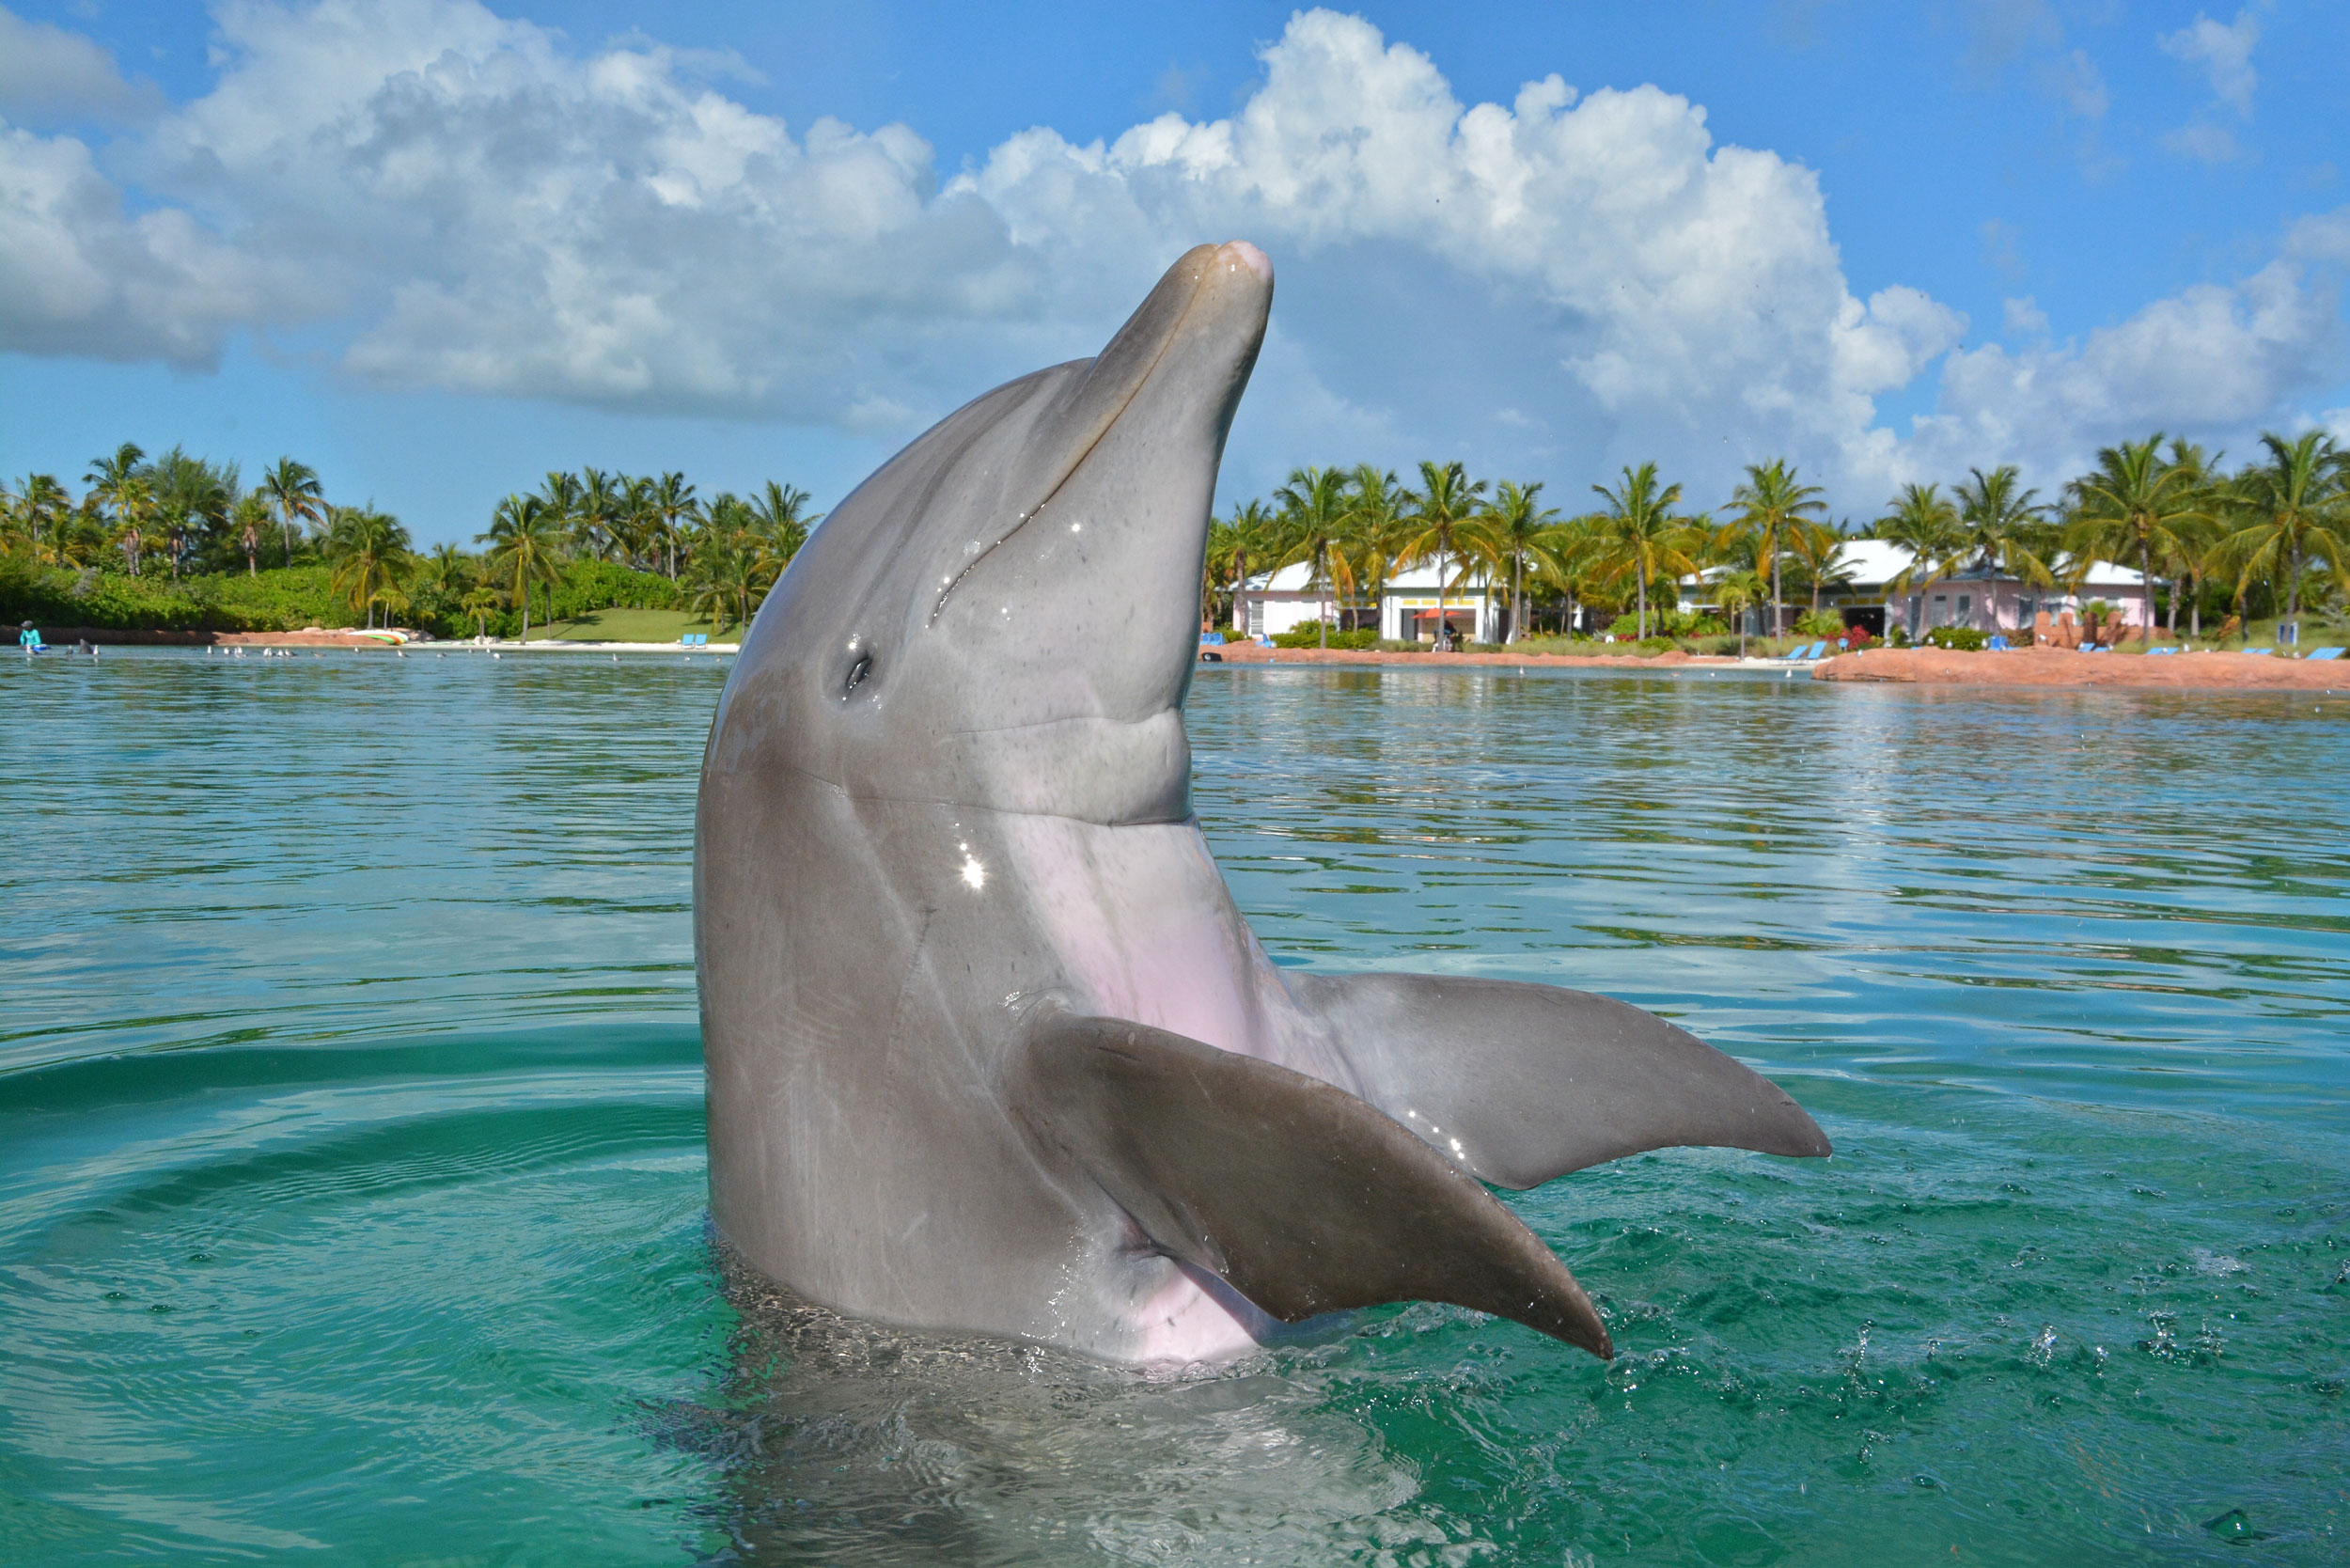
(1190, 819)
(1061, 480)
(1067, 718)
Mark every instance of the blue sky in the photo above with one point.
(437, 249)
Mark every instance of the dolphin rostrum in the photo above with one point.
(989, 1045)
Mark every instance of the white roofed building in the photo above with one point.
(1404, 610)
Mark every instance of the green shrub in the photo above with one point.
(1820, 624)
(1964, 639)
(282, 600)
(1310, 634)
(591, 586)
(287, 598)
(1663, 622)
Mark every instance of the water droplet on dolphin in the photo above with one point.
(974, 875)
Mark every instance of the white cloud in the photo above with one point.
(2218, 360)
(79, 276)
(2223, 53)
(51, 78)
(2080, 87)
(452, 199)
(2224, 56)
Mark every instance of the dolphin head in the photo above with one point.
(1005, 614)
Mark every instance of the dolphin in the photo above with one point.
(989, 1045)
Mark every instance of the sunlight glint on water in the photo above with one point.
(351, 1175)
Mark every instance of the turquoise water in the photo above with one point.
(351, 1173)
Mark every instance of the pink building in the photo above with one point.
(1988, 600)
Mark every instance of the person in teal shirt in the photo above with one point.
(29, 638)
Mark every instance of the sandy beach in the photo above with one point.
(2025, 666)
(2056, 667)
(1256, 653)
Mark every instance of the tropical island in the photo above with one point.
(2159, 546)
(178, 544)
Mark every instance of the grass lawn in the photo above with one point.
(630, 626)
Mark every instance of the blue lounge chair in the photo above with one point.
(1998, 643)
(2152, 651)
(2260, 652)
(2325, 654)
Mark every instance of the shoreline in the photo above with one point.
(1256, 653)
(351, 637)
(2009, 668)
(2062, 668)
(2047, 667)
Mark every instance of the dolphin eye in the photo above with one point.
(857, 672)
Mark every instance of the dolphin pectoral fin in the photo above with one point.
(1516, 1084)
(1299, 1195)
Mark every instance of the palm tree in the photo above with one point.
(108, 475)
(250, 515)
(2005, 528)
(2295, 511)
(393, 597)
(1378, 528)
(1815, 547)
(1565, 558)
(596, 512)
(1445, 500)
(369, 550)
(726, 584)
(193, 495)
(780, 518)
(477, 604)
(560, 491)
(2133, 504)
(46, 513)
(1638, 533)
(672, 502)
(2200, 473)
(175, 515)
(1924, 522)
(1516, 525)
(524, 534)
(1244, 539)
(1767, 506)
(446, 572)
(1316, 516)
(1738, 592)
(134, 503)
(292, 488)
